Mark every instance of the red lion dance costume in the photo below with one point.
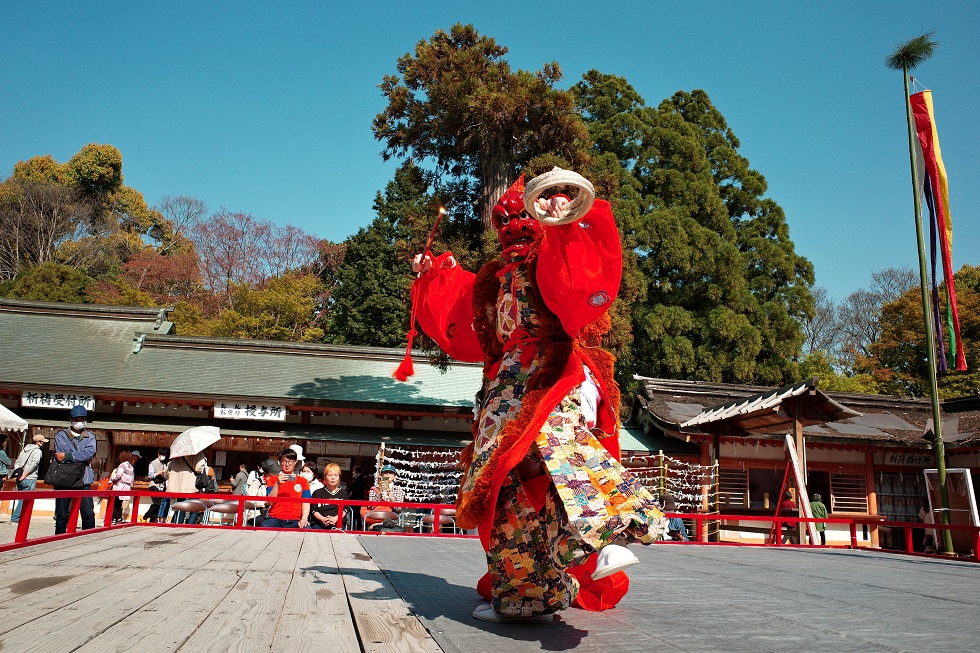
(542, 481)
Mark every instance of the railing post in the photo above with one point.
(134, 508)
(76, 504)
(240, 515)
(26, 508)
(107, 514)
(854, 537)
(908, 538)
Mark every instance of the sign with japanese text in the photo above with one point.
(244, 410)
(911, 458)
(64, 399)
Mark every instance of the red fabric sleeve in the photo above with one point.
(580, 266)
(445, 309)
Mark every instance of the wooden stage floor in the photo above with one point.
(150, 589)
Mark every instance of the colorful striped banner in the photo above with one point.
(933, 172)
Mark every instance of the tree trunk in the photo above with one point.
(496, 170)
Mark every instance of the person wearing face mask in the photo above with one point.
(312, 476)
(75, 445)
(157, 475)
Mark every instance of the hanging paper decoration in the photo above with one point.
(933, 185)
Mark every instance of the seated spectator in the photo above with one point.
(325, 515)
(383, 493)
(312, 475)
(284, 514)
(675, 525)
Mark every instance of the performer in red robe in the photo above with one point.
(542, 483)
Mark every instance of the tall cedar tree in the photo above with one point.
(457, 105)
(724, 289)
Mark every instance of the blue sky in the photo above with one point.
(266, 107)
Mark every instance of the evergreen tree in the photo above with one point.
(457, 105)
(724, 289)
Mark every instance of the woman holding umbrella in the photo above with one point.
(187, 461)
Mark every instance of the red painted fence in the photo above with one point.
(438, 514)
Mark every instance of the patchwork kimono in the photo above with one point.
(542, 481)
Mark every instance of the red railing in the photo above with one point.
(698, 520)
(436, 510)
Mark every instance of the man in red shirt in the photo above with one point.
(288, 483)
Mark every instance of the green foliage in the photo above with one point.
(457, 105)
(52, 282)
(818, 364)
(96, 170)
(910, 54)
(724, 290)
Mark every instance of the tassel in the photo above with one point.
(406, 368)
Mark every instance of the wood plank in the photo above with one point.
(163, 623)
(44, 601)
(247, 617)
(246, 547)
(86, 618)
(384, 621)
(316, 608)
(25, 576)
(281, 553)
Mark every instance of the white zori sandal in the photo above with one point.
(485, 612)
(612, 558)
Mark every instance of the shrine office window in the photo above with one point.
(848, 493)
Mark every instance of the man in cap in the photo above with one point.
(27, 462)
(384, 493)
(75, 445)
(386, 490)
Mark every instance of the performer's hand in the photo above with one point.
(554, 207)
(420, 265)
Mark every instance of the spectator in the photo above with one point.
(75, 445)
(385, 492)
(182, 481)
(312, 475)
(28, 461)
(283, 514)
(325, 515)
(122, 478)
(788, 507)
(4, 458)
(157, 477)
(239, 483)
(819, 511)
(356, 491)
(676, 529)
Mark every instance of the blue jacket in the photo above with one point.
(82, 452)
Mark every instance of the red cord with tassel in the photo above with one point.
(406, 368)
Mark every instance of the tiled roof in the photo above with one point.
(673, 406)
(132, 350)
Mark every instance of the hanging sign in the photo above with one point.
(243, 410)
(63, 399)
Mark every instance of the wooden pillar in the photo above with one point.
(869, 476)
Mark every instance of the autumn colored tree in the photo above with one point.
(897, 358)
(456, 105)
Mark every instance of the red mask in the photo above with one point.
(516, 230)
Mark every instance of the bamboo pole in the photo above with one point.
(907, 56)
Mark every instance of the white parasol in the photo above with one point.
(193, 441)
(10, 422)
